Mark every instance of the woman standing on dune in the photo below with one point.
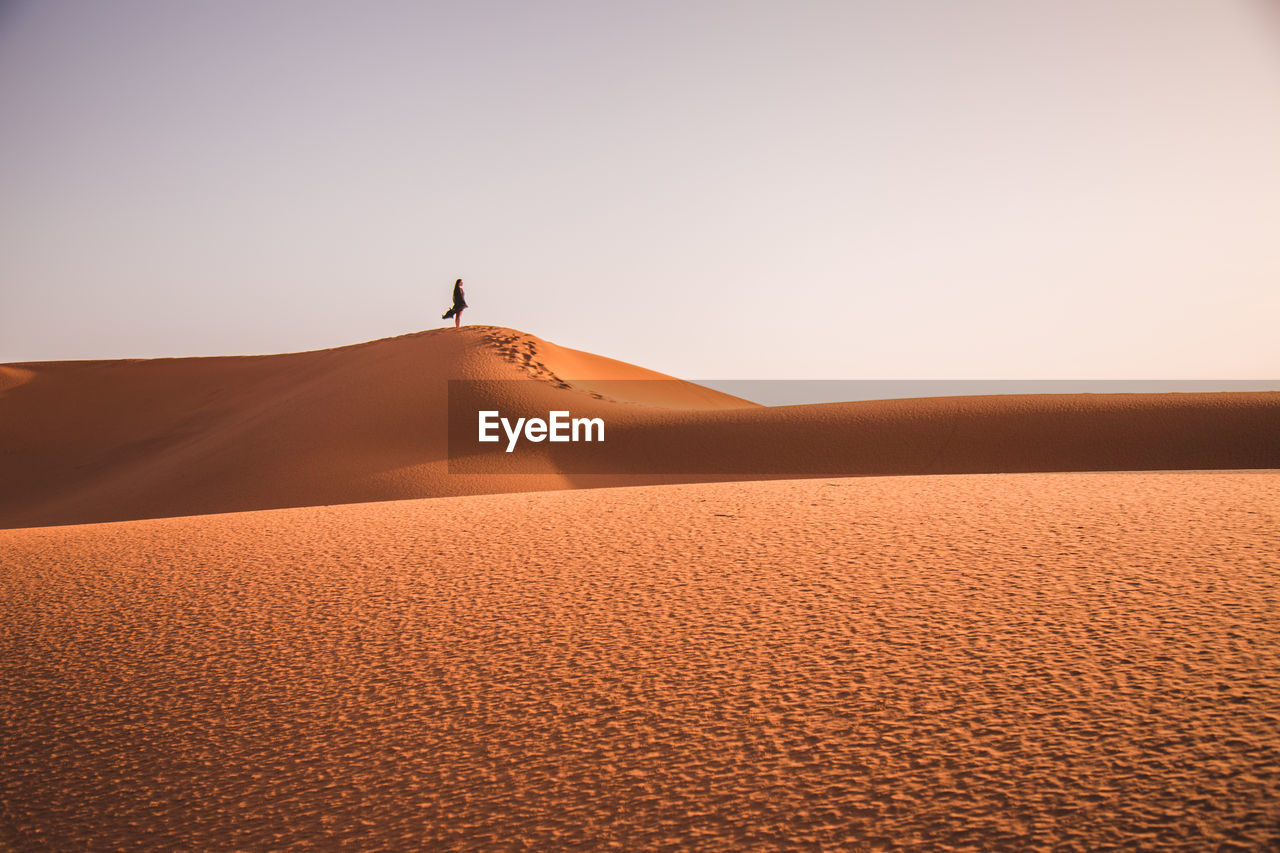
(459, 302)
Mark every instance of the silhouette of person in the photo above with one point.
(459, 302)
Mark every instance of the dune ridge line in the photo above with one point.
(87, 441)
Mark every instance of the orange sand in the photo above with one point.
(116, 440)
(1018, 661)
(1002, 660)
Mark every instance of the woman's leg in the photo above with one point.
(457, 319)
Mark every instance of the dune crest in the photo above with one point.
(89, 441)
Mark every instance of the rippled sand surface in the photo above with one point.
(1027, 661)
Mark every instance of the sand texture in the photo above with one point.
(116, 440)
(1019, 661)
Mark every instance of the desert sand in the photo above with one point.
(256, 603)
(1023, 661)
(116, 440)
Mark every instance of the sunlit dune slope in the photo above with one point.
(1068, 662)
(106, 440)
(114, 440)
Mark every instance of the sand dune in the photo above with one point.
(109, 440)
(1022, 662)
(1056, 661)
(115, 440)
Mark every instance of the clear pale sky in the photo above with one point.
(908, 189)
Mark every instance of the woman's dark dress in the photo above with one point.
(458, 302)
